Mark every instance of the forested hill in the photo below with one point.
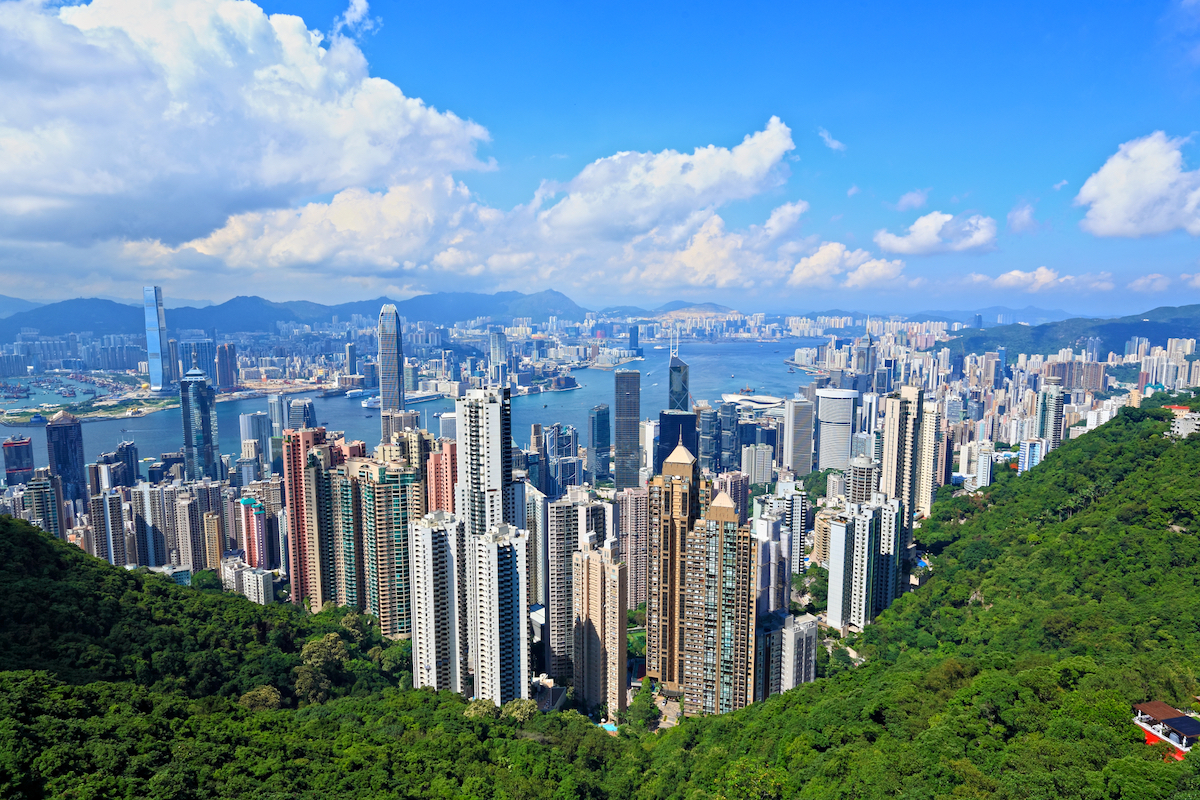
(1056, 600)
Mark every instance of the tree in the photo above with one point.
(481, 709)
(521, 709)
(261, 698)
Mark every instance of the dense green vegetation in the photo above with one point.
(1056, 599)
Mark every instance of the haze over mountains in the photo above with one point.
(111, 316)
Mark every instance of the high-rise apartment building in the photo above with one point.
(717, 612)
(64, 446)
(633, 520)
(44, 502)
(865, 544)
(570, 521)
(627, 409)
(600, 587)
(796, 447)
(486, 494)
(678, 498)
(1030, 455)
(1050, 413)
(599, 442)
(107, 519)
(862, 480)
(18, 460)
(199, 411)
(438, 576)
(441, 475)
(931, 463)
(310, 542)
(391, 361)
(391, 500)
(758, 463)
(835, 425)
(902, 452)
(498, 613)
(257, 427)
(156, 338)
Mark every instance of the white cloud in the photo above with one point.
(938, 232)
(914, 199)
(208, 143)
(1059, 185)
(1192, 280)
(1020, 219)
(1045, 279)
(853, 190)
(834, 264)
(128, 120)
(1143, 189)
(1153, 282)
(830, 142)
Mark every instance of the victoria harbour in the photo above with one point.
(716, 368)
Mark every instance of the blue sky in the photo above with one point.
(962, 119)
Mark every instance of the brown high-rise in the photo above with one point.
(678, 499)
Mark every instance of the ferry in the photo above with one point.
(355, 393)
(372, 402)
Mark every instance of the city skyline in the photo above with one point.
(784, 186)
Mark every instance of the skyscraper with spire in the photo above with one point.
(679, 398)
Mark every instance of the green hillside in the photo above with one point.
(1156, 325)
(1057, 599)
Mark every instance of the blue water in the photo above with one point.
(714, 369)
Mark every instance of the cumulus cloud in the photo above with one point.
(1143, 189)
(1045, 279)
(1020, 219)
(938, 232)
(910, 200)
(159, 121)
(830, 142)
(1192, 280)
(833, 264)
(205, 141)
(1153, 282)
(853, 190)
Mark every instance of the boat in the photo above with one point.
(745, 389)
(354, 393)
(372, 402)
(791, 369)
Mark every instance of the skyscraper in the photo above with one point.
(862, 480)
(257, 426)
(835, 424)
(310, 547)
(351, 359)
(600, 586)
(599, 442)
(864, 561)
(227, 366)
(301, 414)
(108, 529)
(902, 452)
(43, 499)
(18, 460)
(157, 348)
(277, 412)
(708, 428)
(717, 614)
(497, 348)
(1050, 413)
(439, 604)
(675, 427)
(627, 409)
(200, 353)
(678, 497)
(64, 446)
(391, 361)
(486, 495)
(199, 411)
(570, 521)
(931, 467)
(796, 448)
(498, 613)
(633, 519)
(679, 398)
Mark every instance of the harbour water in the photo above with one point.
(714, 369)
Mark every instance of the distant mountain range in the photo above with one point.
(13, 305)
(1157, 325)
